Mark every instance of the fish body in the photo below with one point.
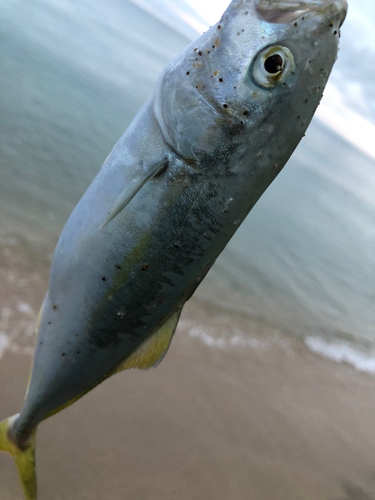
(224, 119)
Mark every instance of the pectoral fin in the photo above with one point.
(151, 353)
(132, 189)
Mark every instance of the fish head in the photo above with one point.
(254, 78)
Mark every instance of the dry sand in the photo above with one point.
(264, 421)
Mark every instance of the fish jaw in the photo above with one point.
(279, 11)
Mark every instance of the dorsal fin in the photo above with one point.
(151, 353)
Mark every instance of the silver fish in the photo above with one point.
(224, 119)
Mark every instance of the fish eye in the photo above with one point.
(272, 66)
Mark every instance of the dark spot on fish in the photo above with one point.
(295, 25)
(307, 100)
(331, 24)
(335, 32)
(243, 31)
(234, 87)
(117, 266)
(144, 267)
(188, 72)
(241, 123)
(200, 52)
(54, 307)
(246, 13)
(104, 278)
(219, 27)
(225, 106)
(63, 354)
(177, 244)
(220, 80)
(49, 322)
(78, 352)
(259, 156)
(299, 117)
(195, 50)
(245, 113)
(40, 343)
(208, 51)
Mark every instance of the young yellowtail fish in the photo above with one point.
(224, 118)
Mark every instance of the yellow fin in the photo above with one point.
(25, 459)
(153, 350)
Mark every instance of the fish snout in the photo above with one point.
(333, 12)
(341, 7)
(287, 11)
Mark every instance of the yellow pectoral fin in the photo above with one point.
(151, 353)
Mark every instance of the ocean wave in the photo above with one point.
(341, 352)
(212, 337)
(7, 345)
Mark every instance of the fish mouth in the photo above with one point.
(287, 11)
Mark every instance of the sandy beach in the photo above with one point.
(222, 419)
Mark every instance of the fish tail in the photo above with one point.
(24, 458)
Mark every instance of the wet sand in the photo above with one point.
(263, 421)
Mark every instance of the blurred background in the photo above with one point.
(296, 283)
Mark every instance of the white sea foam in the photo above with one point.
(4, 343)
(342, 353)
(206, 338)
(337, 351)
(25, 309)
(14, 333)
(7, 345)
(235, 337)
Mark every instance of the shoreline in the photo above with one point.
(24, 271)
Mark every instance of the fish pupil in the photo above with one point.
(274, 64)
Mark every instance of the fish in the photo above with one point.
(224, 118)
